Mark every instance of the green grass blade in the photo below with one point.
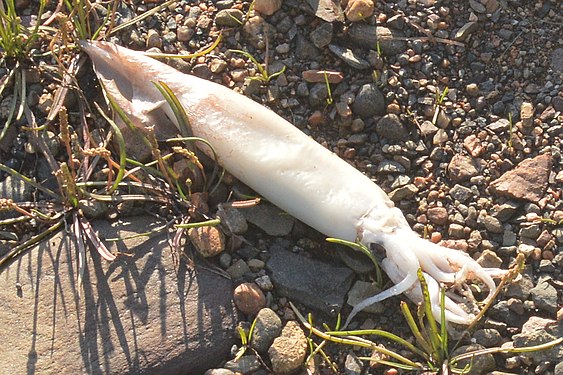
(122, 149)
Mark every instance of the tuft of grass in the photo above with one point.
(431, 347)
(264, 76)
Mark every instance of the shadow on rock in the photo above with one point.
(139, 314)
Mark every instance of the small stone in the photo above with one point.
(229, 17)
(462, 168)
(527, 181)
(256, 265)
(267, 7)
(527, 114)
(357, 10)
(264, 283)
(391, 42)
(489, 259)
(322, 35)
(153, 39)
(316, 76)
(369, 101)
(288, 351)
(472, 89)
(404, 192)
(544, 296)
(184, 34)
(349, 56)
(437, 215)
(390, 127)
(234, 220)
(427, 128)
(238, 269)
(461, 193)
(249, 298)
(480, 364)
(352, 365)
(465, 31)
(499, 126)
(270, 219)
(208, 240)
(268, 326)
(219, 371)
(487, 337)
(247, 364)
(473, 145)
(362, 290)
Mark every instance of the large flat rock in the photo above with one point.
(135, 315)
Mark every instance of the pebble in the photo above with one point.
(390, 41)
(352, 365)
(234, 220)
(391, 128)
(489, 259)
(264, 283)
(461, 193)
(288, 351)
(322, 35)
(349, 57)
(437, 215)
(208, 240)
(268, 326)
(238, 269)
(249, 298)
(488, 337)
(472, 89)
(465, 31)
(316, 76)
(247, 364)
(357, 10)
(153, 39)
(461, 168)
(229, 18)
(527, 181)
(270, 219)
(362, 290)
(544, 296)
(369, 101)
(481, 364)
(267, 7)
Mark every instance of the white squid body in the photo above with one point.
(290, 170)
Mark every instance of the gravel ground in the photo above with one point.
(456, 96)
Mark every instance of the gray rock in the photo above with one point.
(245, 365)
(322, 290)
(268, 327)
(487, 337)
(461, 193)
(327, 10)
(138, 314)
(369, 101)
(234, 220)
(238, 269)
(229, 17)
(492, 224)
(15, 189)
(322, 35)
(362, 290)
(504, 211)
(538, 331)
(270, 219)
(352, 365)
(499, 126)
(480, 364)
(391, 128)
(368, 36)
(403, 192)
(288, 351)
(390, 166)
(304, 49)
(557, 60)
(544, 296)
(349, 57)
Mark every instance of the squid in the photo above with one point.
(292, 171)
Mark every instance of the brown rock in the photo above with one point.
(208, 241)
(288, 351)
(249, 298)
(462, 168)
(357, 10)
(473, 145)
(527, 114)
(136, 315)
(437, 215)
(267, 7)
(316, 76)
(328, 10)
(527, 181)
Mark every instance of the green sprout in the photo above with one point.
(264, 76)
